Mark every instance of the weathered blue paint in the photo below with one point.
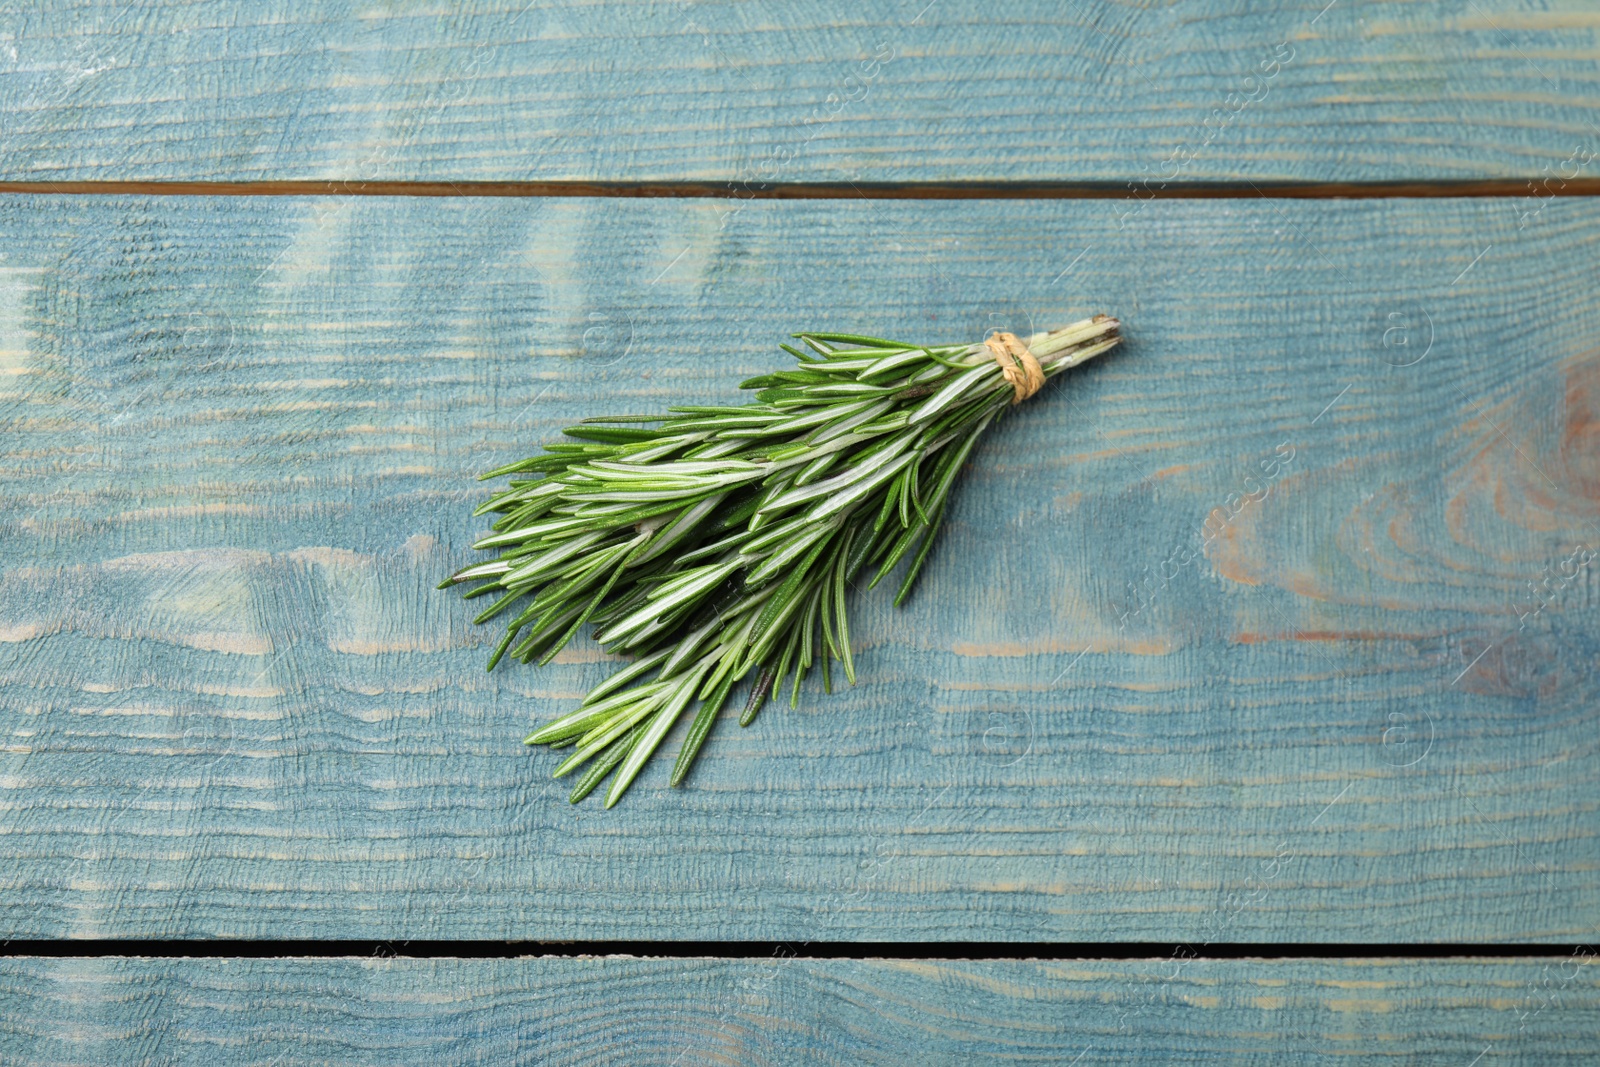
(239, 436)
(883, 90)
(561, 1012)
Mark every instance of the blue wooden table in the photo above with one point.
(1267, 644)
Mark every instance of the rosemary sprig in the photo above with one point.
(717, 544)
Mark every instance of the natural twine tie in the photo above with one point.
(1018, 365)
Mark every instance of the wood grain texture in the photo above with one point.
(611, 1010)
(239, 439)
(894, 90)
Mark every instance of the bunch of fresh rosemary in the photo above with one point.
(717, 543)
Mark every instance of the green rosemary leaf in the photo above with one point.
(797, 354)
(853, 339)
(711, 541)
(921, 556)
(700, 729)
(830, 643)
(634, 670)
(785, 392)
(493, 609)
(712, 409)
(782, 605)
(500, 649)
(482, 590)
(532, 463)
(802, 662)
(814, 534)
(589, 716)
(608, 730)
(730, 664)
(758, 697)
(546, 562)
(682, 590)
(588, 611)
(887, 508)
(809, 637)
(546, 630)
(858, 491)
(866, 542)
(899, 549)
(950, 467)
(653, 734)
(616, 436)
(902, 493)
(689, 645)
(785, 659)
(911, 489)
(682, 526)
(958, 386)
(858, 478)
(841, 616)
(614, 755)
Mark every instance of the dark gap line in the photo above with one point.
(817, 950)
(977, 190)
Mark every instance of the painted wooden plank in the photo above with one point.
(607, 1010)
(890, 90)
(1277, 626)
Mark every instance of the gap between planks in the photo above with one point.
(818, 950)
(1098, 190)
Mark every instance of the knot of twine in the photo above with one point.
(1019, 365)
